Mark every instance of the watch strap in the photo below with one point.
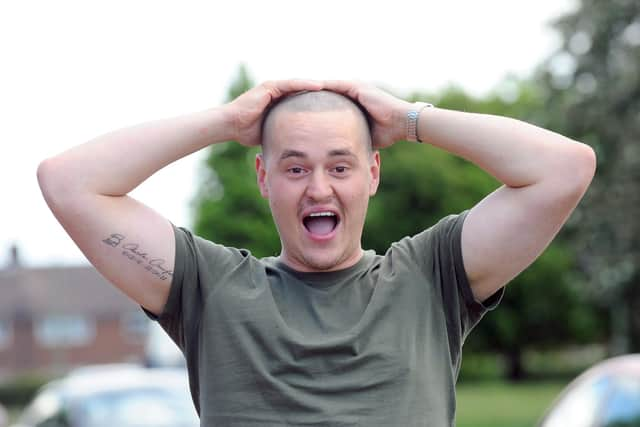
(412, 120)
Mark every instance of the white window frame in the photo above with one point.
(129, 324)
(65, 330)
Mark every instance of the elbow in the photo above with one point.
(586, 163)
(51, 179)
(578, 169)
(46, 175)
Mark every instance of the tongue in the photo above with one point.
(320, 225)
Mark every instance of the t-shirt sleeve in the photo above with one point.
(439, 250)
(198, 262)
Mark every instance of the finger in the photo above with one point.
(302, 84)
(278, 88)
(344, 87)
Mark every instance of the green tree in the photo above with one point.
(593, 93)
(228, 207)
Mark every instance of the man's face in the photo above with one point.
(318, 177)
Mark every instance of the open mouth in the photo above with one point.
(321, 223)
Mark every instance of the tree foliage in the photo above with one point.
(229, 208)
(593, 95)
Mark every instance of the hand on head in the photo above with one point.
(247, 110)
(386, 112)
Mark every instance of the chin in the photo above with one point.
(321, 262)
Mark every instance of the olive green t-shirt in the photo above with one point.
(375, 344)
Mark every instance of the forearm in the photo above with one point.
(514, 152)
(115, 163)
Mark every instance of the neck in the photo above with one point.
(309, 266)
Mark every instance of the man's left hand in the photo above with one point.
(388, 113)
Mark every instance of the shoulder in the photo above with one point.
(446, 232)
(194, 249)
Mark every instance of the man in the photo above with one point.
(325, 334)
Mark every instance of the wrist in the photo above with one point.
(400, 120)
(220, 124)
(412, 119)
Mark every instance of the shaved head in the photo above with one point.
(315, 102)
(317, 153)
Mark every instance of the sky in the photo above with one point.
(75, 70)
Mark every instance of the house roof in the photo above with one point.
(81, 290)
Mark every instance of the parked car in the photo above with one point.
(606, 395)
(114, 395)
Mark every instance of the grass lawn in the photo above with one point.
(13, 412)
(497, 404)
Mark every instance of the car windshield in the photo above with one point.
(142, 407)
(623, 405)
(579, 407)
(602, 401)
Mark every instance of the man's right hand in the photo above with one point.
(247, 110)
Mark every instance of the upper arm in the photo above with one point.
(130, 244)
(507, 230)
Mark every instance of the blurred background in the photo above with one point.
(76, 70)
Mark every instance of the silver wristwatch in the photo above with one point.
(412, 120)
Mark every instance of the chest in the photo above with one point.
(297, 333)
(325, 353)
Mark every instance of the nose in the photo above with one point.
(319, 187)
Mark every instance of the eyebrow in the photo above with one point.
(333, 153)
(292, 153)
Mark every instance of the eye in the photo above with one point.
(340, 169)
(296, 170)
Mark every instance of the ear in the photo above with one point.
(261, 174)
(374, 169)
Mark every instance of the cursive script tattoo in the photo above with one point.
(114, 240)
(134, 253)
(133, 247)
(156, 267)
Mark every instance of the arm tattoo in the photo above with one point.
(136, 254)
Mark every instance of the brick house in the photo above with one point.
(56, 318)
